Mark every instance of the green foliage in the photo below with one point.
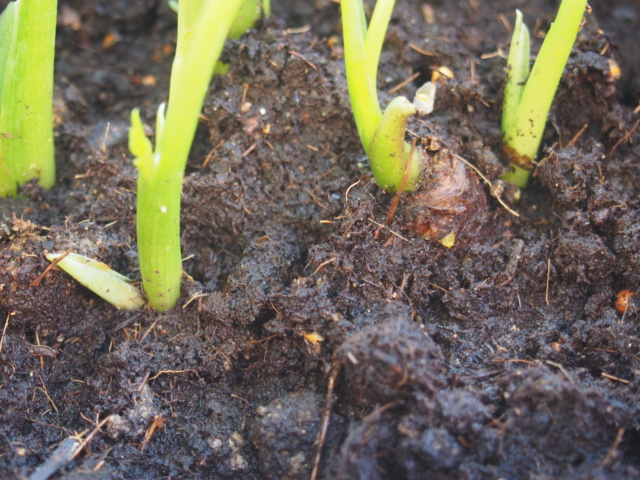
(382, 136)
(27, 41)
(527, 101)
(250, 12)
(100, 279)
(203, 27)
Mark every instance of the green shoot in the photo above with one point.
(526, 105)
(382, 136)
(517, 72)
(100, 279)
(388, 144)
(249, 14)
(27, 41)
(203, 26)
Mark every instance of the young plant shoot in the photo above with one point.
(450, 201)
(100, 279)
(27, 41)
(527, 101)
(203, 27)
(381, 134)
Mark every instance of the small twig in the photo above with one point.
(561, 368)
(623, 139)
(48, 397)
(616, 379)
(315, 200)
(552, 151)
(390, 231)
(89, 437)
(209, 156)
(245, 90)
(144, 381)
(546, 293)
(422, 51)
(614, 447)
(195, 297)
(438, 287)
(49, 425)
(403, 183)
(346, 194)
(302, 57)
(375, 415)
(404, 82)
(506, 23)
(486, 180)
(38, 345)
(331, 260)
(335, 370)
(40, 277)
(148, 331)
(4, 330)
(577, 136)
(497, 53)
(295, 31)
(60, 457)
(124, 324)
(249, 150)
(513, 360)
(161, 372)
(482, 376)
(402, 287)
(158, 422)
(104, 140)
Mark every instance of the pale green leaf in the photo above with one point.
(101, 280)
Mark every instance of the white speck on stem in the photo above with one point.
(163, 209)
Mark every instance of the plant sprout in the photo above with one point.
(27, 41)
(250, 12)
(100, 279)
(381, 134)
(450, 203)
(527, 101)
(203, 27)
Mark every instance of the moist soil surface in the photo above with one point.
(313, 339)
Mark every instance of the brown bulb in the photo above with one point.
(451, 205)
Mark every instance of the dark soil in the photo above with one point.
(304, 316)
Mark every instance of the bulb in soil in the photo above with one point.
(451, 205)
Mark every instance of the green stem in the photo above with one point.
(382, 136)
(361, 82)
(249, 13)
(201, 36)
(517, 73)
(375, 36)
(27, 47)
(517, 175)
(524, 137)
(388, 143)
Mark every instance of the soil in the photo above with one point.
(307, 325)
